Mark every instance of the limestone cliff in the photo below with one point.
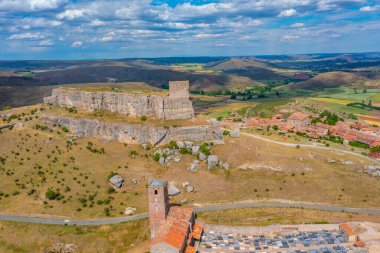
(176, 105)
(134, 133)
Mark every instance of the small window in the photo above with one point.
(155, 192)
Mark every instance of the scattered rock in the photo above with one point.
(185, 184)
(235, 133)
(226, 166)
(60, 247)
(145, 146)
(195, 150)
(129, 210)
(180, 144)
(347, 162)
(134, 181)
(189, 188)
(202, 156)
(217, 142)
(173, 191)
(183, 201)
(300, 159)
(117, 181)
(331, 161)
(193, 167)
(168, 159)
(177, 159)
(188, 144)
(162, 160)
(212, 161)
(196, 161)
(158, 151)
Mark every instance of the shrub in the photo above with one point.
(111, 190)
(204, 148)
(156, 157)
(7, 107)
(173, 144)
(184, 151)
(107, 211)
(65, 130)
(226, 132)
(143, 118)
(51, 195)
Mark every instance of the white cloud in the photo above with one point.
(46, 43)
(370, 8)
(77, 43)
(30, 5)
(287, 13)
(106, 38)
(297, 25)
(71, 14)
(289, 37)
(97, 22)
(27, 36)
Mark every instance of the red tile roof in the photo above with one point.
(174, 230)
(347, 229)
(298, 116)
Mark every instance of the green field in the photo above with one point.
(349, 94)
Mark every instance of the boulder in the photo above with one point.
(212, 161)
(195, 150)
(189, 188)
(217, 142)
(235, 133)
(193, 167)
(117, 181)
(226, 166)
(162, 160)
(129, 210)
(202, 156)
(173, 191)
(168, 159)
(180, 144)
(331, 161)
(188, 144)
(185, 184)
(177, 159)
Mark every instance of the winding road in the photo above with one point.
(214, 207)
(314, 145)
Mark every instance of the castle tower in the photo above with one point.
(158, 204)
(179, 90)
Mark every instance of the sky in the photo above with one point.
(109, 29)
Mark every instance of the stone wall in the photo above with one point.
(134, 133)
(176, 105)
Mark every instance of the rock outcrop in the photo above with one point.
(176, 105)
(134, 133)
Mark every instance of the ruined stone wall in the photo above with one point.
(179, 89)
(134, 133)
(174, 106)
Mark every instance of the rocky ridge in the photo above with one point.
(134, 133)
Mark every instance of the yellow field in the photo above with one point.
(332, 100)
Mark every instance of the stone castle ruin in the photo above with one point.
(176, 105)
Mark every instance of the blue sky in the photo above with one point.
(94, 29)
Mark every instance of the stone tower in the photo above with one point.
(179, 90)
(158, 204)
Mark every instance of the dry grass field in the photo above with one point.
(36, 160)
(268, 216)
(125, 237)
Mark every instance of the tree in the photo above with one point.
(365, 91)
(51, 195)
(355, 90)
(370, 103)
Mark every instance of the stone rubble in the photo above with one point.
(212, 161)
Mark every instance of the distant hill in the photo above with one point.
(336, 79)
(251, 68)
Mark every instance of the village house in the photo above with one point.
(298, 120)
(173, 228)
